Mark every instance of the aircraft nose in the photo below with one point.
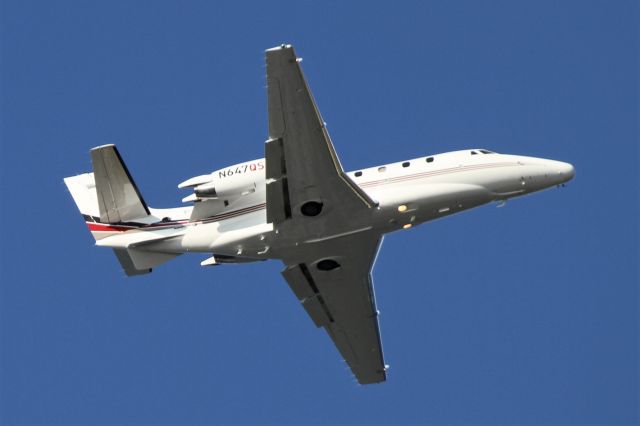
(566, 171)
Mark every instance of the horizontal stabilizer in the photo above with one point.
(127, 263)
(138, 262)
(83, 190)
(149, 259)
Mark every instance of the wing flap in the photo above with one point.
(317, 310)
(302, 285)
(298, 282)
(278, 206)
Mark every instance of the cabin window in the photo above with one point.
(429, 159)
(382, 169)
(406, 164)
(358, 174)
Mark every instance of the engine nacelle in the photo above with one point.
(230, 182)
(224, 189)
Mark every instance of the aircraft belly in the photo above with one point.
(402, 206)
(215, 238)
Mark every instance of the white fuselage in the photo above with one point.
(408, 193)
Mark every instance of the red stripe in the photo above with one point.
(107, 228)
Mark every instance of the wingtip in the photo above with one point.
(108, 145)
(280, 47)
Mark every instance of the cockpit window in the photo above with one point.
(474, 153)
(484, 151)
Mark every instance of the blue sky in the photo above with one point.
(525, 314)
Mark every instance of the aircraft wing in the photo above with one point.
(302, 164)
(342, 299)
(315, 210)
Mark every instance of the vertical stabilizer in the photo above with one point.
(119, 199)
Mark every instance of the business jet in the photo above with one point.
(299, 206)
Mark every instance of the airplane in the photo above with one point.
(299, 206)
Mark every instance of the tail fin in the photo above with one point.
(109, 194)
(119, 199)
(109, 201)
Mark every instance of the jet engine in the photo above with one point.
(228, 183)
